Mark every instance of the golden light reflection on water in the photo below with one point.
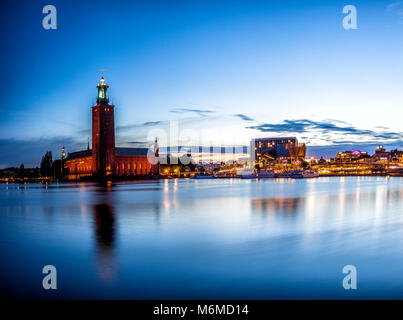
(342, 202)
(310, 204)
(380, 197)
(170, 201)
(357, 192)
(276, 205)
(83, 212)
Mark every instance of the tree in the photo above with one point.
(57, 169)
(21, 171)
(46, 165)
(200, 169)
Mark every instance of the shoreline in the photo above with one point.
(47, 181)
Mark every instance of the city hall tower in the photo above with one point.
(103, 133)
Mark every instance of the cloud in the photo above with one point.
(298, 126)
(139, 144)
(396, 8)
(394, 5)
(139, 125)
(243, 117)
(151, 123)
(326, 127)
(200, 112)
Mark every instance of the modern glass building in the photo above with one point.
(275, 149)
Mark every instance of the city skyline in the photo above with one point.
(217, 67)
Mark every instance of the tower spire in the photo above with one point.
(102, 90)
(156, 152)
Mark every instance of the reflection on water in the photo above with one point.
(281, 205)
(105, 235)
(104, 226)
(188, 238)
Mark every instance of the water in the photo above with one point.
(225, 238)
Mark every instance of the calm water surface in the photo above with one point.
(274, 238)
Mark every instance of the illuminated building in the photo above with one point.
(360, 163)
(282, 149)
(105, 159)
(381, 154)
(347, 156)
(396, 156)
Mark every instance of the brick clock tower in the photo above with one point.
(103, 134)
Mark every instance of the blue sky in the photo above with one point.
(226, 71)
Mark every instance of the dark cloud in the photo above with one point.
(243, 117)
(139, 125)
(151, 123)
(325, 127)
(138, 143)
(200, 112)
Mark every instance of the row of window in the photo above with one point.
(272, 143)
(105, 109)
(121, 168)
(80, 167)
(132, 168)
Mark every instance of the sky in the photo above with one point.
(206, 72)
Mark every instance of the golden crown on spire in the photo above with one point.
(102, 76)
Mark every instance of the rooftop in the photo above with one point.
(79, 154)
(118, 152)
(131, 151)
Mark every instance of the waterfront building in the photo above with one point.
(396, 156)
(381, 154)
(280, 150)
(349, 156)
(105, 159)
(357, 162)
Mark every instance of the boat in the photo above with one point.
(296, 174)
(261, 174)
(248, 176)
(396, 172)
(284, 174)
(203, 176)
(246, 173)
(310, 174)
(265, 174)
